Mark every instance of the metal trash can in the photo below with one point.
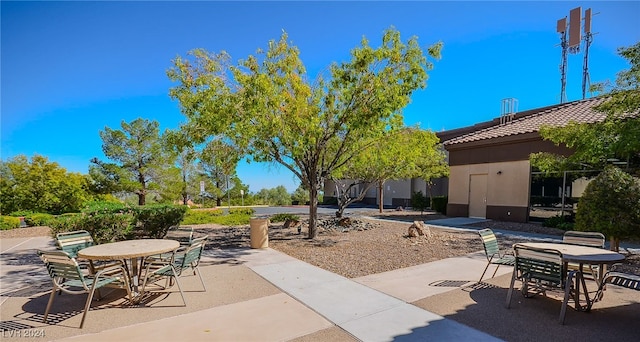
(259, 232)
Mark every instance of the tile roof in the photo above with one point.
(530, 121)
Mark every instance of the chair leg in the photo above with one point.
(201, 280)
(46, 311)
(567, 292)
(496, 271)
(485, 271)
(510, 293)
(179, 287)
(87, 305)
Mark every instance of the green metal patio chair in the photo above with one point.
(170, 269)
(68, 277)
(72, 242)
(543, 270)
(618, 278)
(493, 253)
(590, 239)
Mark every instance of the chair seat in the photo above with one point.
(630, 281)
(505, 260)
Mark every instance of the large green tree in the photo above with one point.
(267, 106)
(41, 186)
(616, 138)
(139, 159)
(407, 153)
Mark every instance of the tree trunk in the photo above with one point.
(141, 199)
(313, 209)
(381, 194)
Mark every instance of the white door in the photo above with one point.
(478, 196)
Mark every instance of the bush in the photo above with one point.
(155, 220)
(21, 213)
(201, 216)
(561, 222)
(419, 201)
(241, 211)
(281, 217)
(116, 222)
(9, 222)
(232, 220)
(38, 219)
(611, 205)
(103, 227)
(439, 204)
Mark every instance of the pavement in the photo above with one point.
(265, 295)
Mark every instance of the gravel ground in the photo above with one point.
(378, 247)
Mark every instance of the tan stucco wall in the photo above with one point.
(509, 188)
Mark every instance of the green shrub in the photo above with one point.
(38, 219)
(116, 222)
(155, 220)
(241, 211)
(201, 216)
(439, 204)
(611, 205)
(232, 220)
(21, 213)
(9, 222)
(281, 217)
(419, 201)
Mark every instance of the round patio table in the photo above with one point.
(582, 255)
(132, 250)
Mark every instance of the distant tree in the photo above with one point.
(300, 195)
(41, 186)
(617, 137)
(274, 196)
(139, 158)
(268, 108)
(611, 205)
(408, 153)
(184, 153)
(218, 162)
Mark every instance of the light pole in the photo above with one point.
(242, 196)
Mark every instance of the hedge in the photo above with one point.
(9, 222)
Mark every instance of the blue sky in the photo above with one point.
(70, 69)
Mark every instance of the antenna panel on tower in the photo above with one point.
(575, 21)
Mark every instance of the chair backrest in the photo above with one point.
(490, 242)
(539, 264)
(593, 239)
(72, 242)
(61, 265)
(184, 235)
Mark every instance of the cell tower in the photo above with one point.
(588, 38)
(562, 29)
(572, 28)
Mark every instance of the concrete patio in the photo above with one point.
(264, 295)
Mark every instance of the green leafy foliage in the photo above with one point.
(439, 204)
(103, 227)
(154, 221)
(559, 221)
(274, 196)
(108, 222)
(281, 217)
(232, 220)
(38, 219)
(242, 211)
(300, 195)
(611, 205)
(201, 216)
(267, 107)
(9, 222)
(419, 201)
(140, 159)
(37, 185)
